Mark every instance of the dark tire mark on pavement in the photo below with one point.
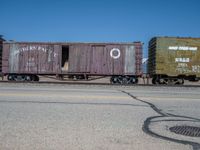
(147, 122)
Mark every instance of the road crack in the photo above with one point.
(162, 114)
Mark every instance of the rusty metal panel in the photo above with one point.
(5, 57)
(37, 58)
(57, 59)
(101, 62)
(27, 59)
(45, 59)
(14, 58)
(119, 62)
(79, 58)
(177, 56)
(133, 59)
(1, 47)
(105, 59)
(116, 54)
(1, 52)
(138, 58)
(129, 66)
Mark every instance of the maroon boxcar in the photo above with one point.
(27, 60)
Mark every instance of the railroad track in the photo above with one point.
(94, 83)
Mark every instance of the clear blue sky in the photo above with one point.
(98, 20)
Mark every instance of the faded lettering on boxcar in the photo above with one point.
(182, 59)
(31, 62)
(196, 68)
(183, 48)
(44, 49)
(182, 68)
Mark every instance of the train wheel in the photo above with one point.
(179, 81)
(182, 81)
(114, 80)
(10, 77)
(36, 78)
(22, 77)
(124, 80)
(163, 81)
(133, 80)
(28, 78)
(117, 80)
(136, 80)
(19, 77)
(78, 77)
(155, 80)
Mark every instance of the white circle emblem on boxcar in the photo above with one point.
(115, 53)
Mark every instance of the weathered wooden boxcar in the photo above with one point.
(173, 59)
(27, 60)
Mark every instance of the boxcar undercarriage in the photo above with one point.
(22, 77)
(172, 80)
(115, 79)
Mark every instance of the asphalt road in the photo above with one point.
(78, 117)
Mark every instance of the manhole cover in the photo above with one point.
(186, 130)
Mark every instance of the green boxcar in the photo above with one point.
(174, 59)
